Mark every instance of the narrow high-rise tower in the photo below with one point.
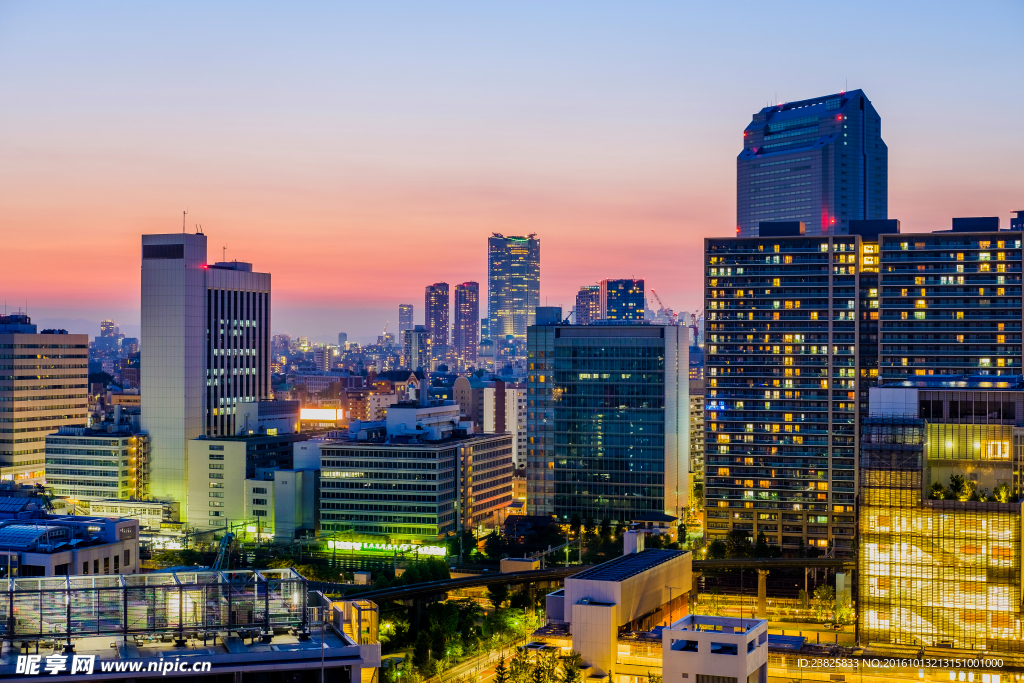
(437, 320)
(821, 162)
(588, 304)
(205, 348)
(466, 330)
(513, 287)
(404, 317)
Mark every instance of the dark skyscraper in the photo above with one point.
(466, 331)
(404, 317)
(588, 304)
(513, 281)
(622, 299)
(821, 162)
(436, 320)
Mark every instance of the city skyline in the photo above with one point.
(504, 143)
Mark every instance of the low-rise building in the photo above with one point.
(705, 649)
(56, 545)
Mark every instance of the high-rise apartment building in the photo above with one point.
(513, 287)
(800, 328)
(322, 358)
(588, 304)
(821, 161)
(44, 385)
(466, 330)
(205, 348)
(622, 300)
(697, 432)
(607, 421)
(416, 348)
(405, 312)
(437, 321)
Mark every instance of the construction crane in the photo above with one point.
(223, 551)
(665, 312)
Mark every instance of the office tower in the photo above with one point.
(436, 321)
(405, 322)
(820, 161)
(789, 368)
(939, 474)
(513, 287)
(622, 300)
(588, 304)
(342, 338)
(466, 332)
(84, 463)
(416, 348)
(607, 422)
(205, 348)
(470, 478)
(43, 386)
(322, 358)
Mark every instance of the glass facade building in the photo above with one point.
(607, 421)
(466, 330)
(940, 557)
(437, 320)
(622, 300)
(821, 161)
(513, 287)
(588, 304)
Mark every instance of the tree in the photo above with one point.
(938, 491)
(958, 487)
(520, 599)
(765, 549)
(571, 665)
(103, 378)
(653, 677)
(606, 529)
(681, 532)
(519, 669)
(1002, 493)
(737, 544)
(575, 523)
(421, 651)
(501, 672)
(717, 549)
(438, 643)
(497, 593)
(824, 601)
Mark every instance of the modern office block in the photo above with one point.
(205, 348)
(607, 422)
(44, 385)
(466, 330)
(940, 516)
(622, 300)
(513, 286)
(821, 161)
(84, 463)
(436, 320)
(416, 348)
(588, 304)
(419, 477)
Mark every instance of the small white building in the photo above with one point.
(700, 649)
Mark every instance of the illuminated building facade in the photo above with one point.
(44, 385)
(91, 463)
(513, 287)
(607, 420)
(416, 348)
(466, 331)
(622, 300)
(588, 304)
(205, 349)
(437, 321)
(940, 515)
(405, 312)
(821, 161)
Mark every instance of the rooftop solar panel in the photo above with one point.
(621, 568)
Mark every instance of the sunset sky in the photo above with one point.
(360, 151)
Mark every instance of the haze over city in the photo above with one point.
(359, 153)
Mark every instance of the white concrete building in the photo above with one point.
(205, 348)
(701, 649)
(55, 545)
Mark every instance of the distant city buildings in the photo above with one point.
(513, 288)
(622, 300)
(205, 348)
(466, 332)
(405, 312)
(588, 304)
(416, 348)
(44, 385)
(437, 322)
(342, 339)
(820, 161)
(607, 420)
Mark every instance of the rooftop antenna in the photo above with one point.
(183, 214)
(223, 253)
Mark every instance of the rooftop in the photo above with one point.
(700, 622)
(622, 568)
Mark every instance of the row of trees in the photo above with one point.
(544, 668)
(737, 545)
(961, 488)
